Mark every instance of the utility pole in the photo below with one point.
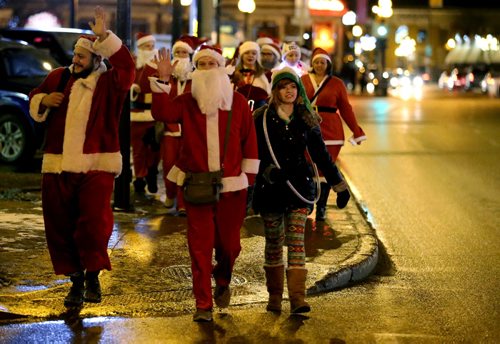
(122, 183)
(73, 9)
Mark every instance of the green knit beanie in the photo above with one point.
(289, 73)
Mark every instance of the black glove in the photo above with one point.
(343, 198)
(273, 174)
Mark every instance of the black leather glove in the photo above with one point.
(343, 198)
(273, 174)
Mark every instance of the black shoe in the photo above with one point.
(152, 180)
(139, 185)
(222, 296)
(92, 288)
(75, 295)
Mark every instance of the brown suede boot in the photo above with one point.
(275, 276)
(296, 281)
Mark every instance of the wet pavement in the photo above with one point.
(151, 266)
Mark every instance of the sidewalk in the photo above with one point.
(151, 266)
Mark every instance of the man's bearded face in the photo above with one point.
(212, 89)
(183, 68)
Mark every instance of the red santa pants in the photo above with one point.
(214, 226)
(143, 156)
(170, 151)
(78, 220)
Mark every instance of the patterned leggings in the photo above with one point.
(294, 233)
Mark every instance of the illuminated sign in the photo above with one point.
(327, 8)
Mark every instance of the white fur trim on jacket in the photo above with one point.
(109, 46)
(141, 116)
(263, 83)
(135, 89)
(334, 142)
(35, 103)
(73, 159)
(250, 165)
(356, 140)
(158, 87)
(213, 142)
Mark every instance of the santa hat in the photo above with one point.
(87, 42)
(208, 50)
(264, 40)
(319, 52)
(275, 49)
(289, 73)
(247, 46)
(288, 48)
(142, 38)
(190, 43)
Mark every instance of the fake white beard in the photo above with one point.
(212, 90)
(182, 69)
(144, 56)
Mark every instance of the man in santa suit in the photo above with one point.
(82, 156)
(145, 148)
(329, 95)
(204, 114)
(171, 142)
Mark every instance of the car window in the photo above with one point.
(24, 63)
(67, 41)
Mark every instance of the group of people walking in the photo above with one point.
(233, 138)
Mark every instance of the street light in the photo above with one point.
(247, 7)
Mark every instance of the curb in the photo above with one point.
(358, 266)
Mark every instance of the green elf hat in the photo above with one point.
(289, 73)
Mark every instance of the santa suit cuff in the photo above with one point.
(158, 87)
(250, 165)
(109, 46)
(35, 104)
(357, 140)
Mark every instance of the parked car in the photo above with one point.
(474, 76)
(59, 42)
(22, 68)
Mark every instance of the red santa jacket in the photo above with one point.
(140, 94)
(178, 88)
(82, 133)
(203, 139)
(332, 102)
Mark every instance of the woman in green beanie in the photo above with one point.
(285, 189)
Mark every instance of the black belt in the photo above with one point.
(140, 106)
(326, 109)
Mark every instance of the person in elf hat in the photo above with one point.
(329, 96)
(285, 189)
(171, 143)
(145, 148)
(204, 114)
(291, 58)
(82, 156)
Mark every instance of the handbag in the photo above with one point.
(205, 187)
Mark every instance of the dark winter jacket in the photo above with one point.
(289, 143)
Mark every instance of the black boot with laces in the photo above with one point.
(75, 295)
(92, 287)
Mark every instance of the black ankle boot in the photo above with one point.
(152, 179)
(92, 287)
(75, 295)
(139, 185)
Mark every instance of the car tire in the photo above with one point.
(16, 139)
